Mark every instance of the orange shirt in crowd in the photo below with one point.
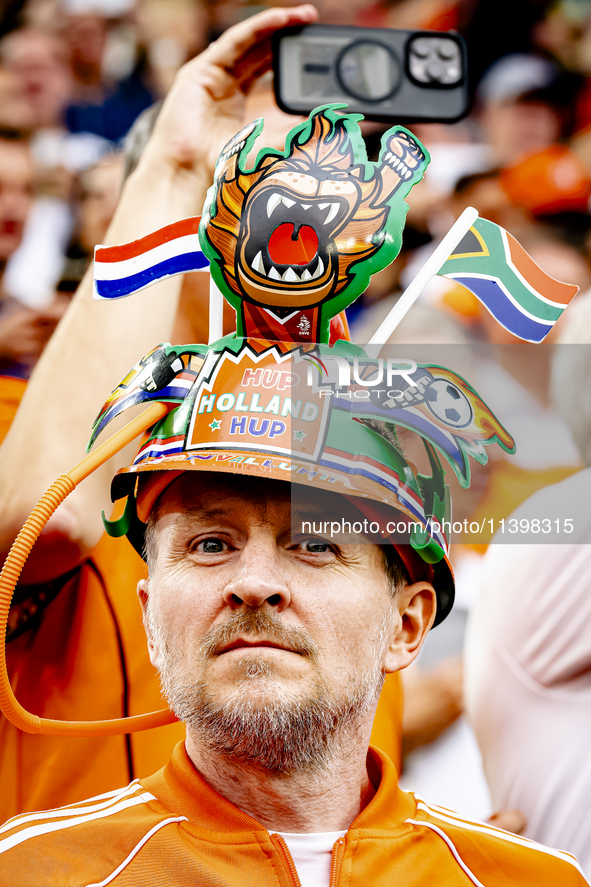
(11, 394)
(173, 828)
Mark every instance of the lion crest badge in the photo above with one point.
(294, 240)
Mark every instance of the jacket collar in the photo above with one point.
(181, 789)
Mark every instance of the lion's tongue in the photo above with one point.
(284, 249)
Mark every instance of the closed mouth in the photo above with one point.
(291, 241)
(242, 644)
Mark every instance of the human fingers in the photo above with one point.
(509, 820)
(244, 51)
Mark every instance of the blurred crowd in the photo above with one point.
(76, 75)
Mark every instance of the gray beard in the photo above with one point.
(288, 733)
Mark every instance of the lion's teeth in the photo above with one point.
(334, 208)
(389, 156)
(319, 268)
(306, 275)
(258, 264)
(274, 274)
(290, 275)
(305, 205)
(407, 174)
(272, 204)
(289, 203)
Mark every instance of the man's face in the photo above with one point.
(40, 66)
(15, 194)
(259, 634)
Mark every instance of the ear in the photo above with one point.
(143, 592)
(416, 607)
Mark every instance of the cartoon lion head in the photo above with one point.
(288, 232)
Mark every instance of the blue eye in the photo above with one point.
(317, 547)
(212, 546)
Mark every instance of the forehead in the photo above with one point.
(207, 495)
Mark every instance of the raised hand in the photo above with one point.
(206, 104)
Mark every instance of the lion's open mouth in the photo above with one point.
(291, 240)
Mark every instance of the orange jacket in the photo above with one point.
(173, 828)
(87, 658)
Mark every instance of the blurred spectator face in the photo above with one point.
(86, 36)
(101, 186)
(513, 129)
(487, 195)
(516, 116)
(173, 31)
(12, 113)
(15, 194)
(42, 75)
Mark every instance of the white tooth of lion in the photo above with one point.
(290, 275)
(272, 204)
(305, 205)
(388, 156)
(319, 268)
(306, 275)
(407, 174)
(395, 162)
(274, 274)
(289, 203)
(323, 205)
(334, 208)
(258, 264)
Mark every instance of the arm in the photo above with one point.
(96, 344)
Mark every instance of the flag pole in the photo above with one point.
(439, 255)
(216, 311)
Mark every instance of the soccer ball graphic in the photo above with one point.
(448, 403)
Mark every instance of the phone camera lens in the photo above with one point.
(435, 60)
(447, 49)
(422, 48)
(435, 69)
(368, 70)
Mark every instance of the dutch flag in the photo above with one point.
(122, 270)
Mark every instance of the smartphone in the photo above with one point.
(383, 73)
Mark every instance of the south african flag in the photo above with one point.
(496, 268)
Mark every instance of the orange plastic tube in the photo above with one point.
(12, 569)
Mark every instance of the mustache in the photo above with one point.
(265, 626)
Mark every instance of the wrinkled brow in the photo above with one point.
(205, 515)
(198, 514)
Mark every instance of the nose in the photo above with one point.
(259, 579)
